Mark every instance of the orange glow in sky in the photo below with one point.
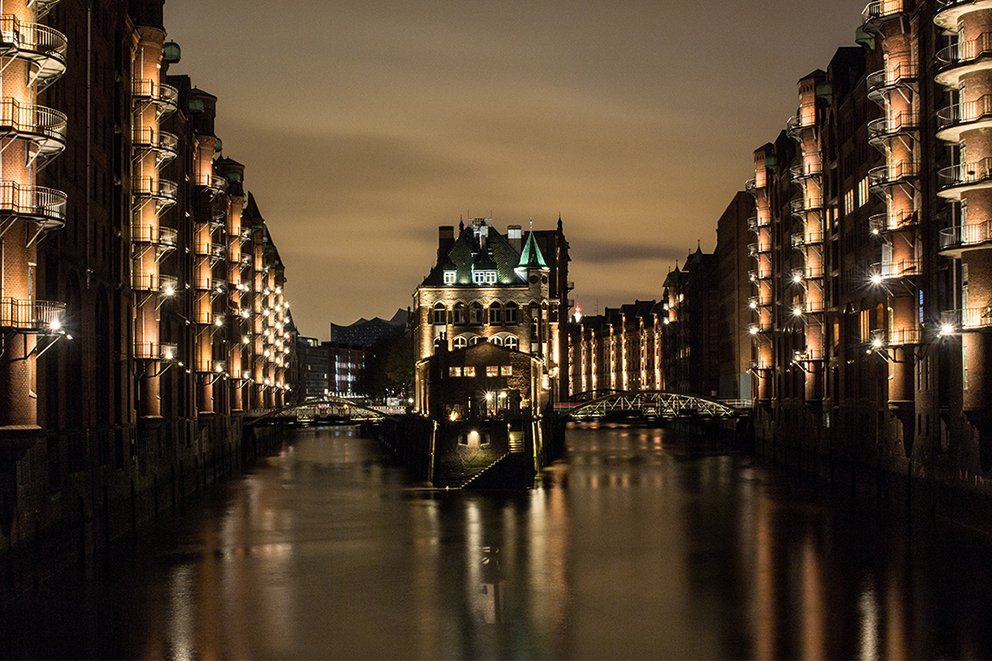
(365, 124)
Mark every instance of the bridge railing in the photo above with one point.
(653, 403)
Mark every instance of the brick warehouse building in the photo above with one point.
(872, 263)
(126, 230)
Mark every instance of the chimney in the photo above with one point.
(445, 239)
(515, 236)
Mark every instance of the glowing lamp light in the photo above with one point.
(168, 354)
(946, 329)
(876, 279)
(169, 291)
(797, 311)
(218, 368)
(877, 343)
(753, 330)
(246, 339)
(55, 324)
(753, 305)
(219, 321)
(797, 277)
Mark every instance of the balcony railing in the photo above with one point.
(968, 112)
(972, 234)
(805, 170)
(966, 52)
(965, 174)
(885, 175)
(900, 123)
(214, 183)
(44, 47)
(756, 275)
(877, 9)
(755, 249)
(802, 204)
(891, 222)
(901, 336)
(165, 97)
(46, 125)
(156, 350)
(26, 316)
(895, 75)
(210, 249)
(968, 318)
(45, 206)
(164, 192)
(165, 237)
(901, 268)
(165, 144)
(948, 12)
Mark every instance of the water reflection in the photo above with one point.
(642, 544)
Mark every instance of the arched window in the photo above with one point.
(460, 342)
(440, 314)
(475, 339)
(511, 342)
(475, 314)
(510, 314)
(437, 342)
(459, 313)
(497, 340)
(495, 314)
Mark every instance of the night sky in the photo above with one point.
(364, 125)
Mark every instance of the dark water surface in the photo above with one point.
(640, 544)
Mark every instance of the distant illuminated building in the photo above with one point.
(487, 288)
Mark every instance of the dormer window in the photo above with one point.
(449, 277)
(485, 277)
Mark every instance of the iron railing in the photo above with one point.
(31, 316)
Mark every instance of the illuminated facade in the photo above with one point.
(872, 267)
(494, 289)
(33, 57)
(142, 307)
(620, 349)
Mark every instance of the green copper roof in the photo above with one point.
(531, 256)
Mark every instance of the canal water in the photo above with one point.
(641, 543)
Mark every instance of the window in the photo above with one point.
(497, 340)
(492, 370)
(510, 315)
(511, 343)
(460, 342)
(495, 314)
(863, 192)
(506, 370)
(469, 370)
(454, 371)
(459, 313)
(485, 277)
(475, 339)
(449, 277)
(849, 201)
(440, 314)
(475, 313)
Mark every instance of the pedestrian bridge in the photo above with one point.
(329, 408)
(657, 404)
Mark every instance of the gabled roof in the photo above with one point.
(467, 253)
